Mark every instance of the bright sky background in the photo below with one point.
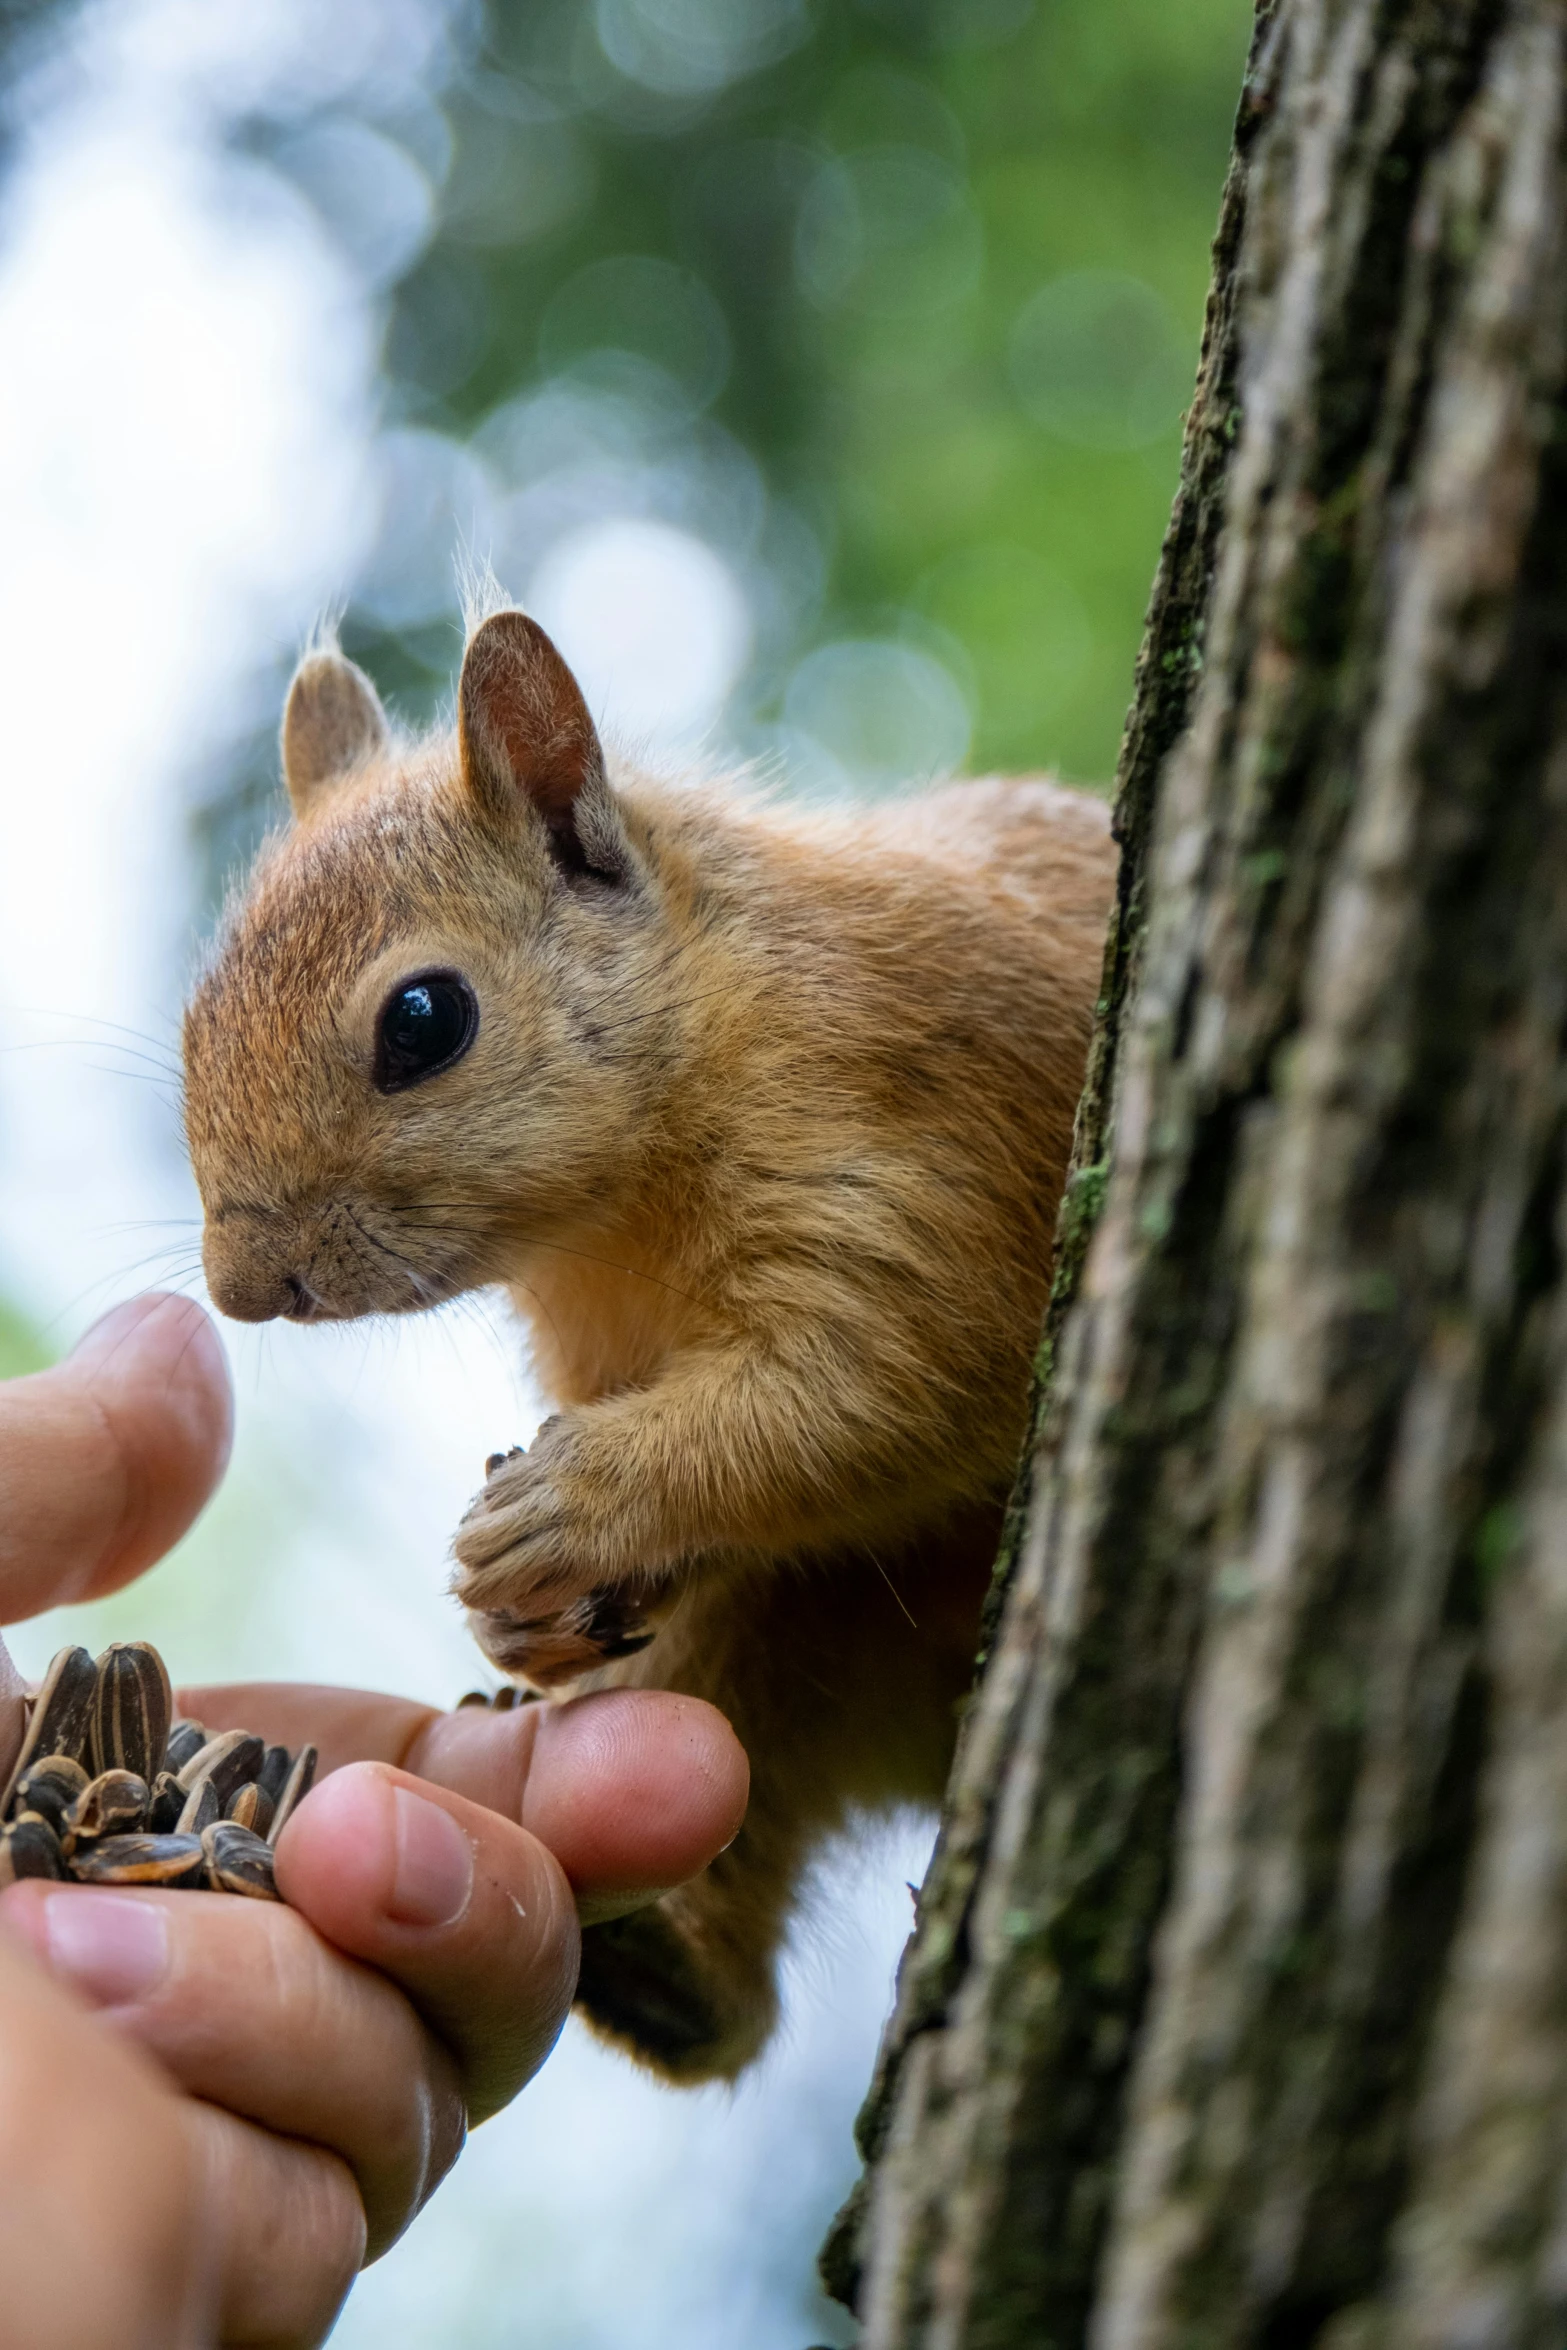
(190, 470)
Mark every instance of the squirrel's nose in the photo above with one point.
(257, 1299)
(247, 1284)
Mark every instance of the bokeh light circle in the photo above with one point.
(654, 623)
(657, 312)
(885, 713)
(1095, 358)
(891, 231)
(688, 48)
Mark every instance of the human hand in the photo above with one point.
(321, 2103)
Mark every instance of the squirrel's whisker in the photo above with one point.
(560, 1248)
(177, 1276)
(609, 1021)
(156, 1071)
(154, 1224)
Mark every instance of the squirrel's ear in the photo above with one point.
(527, 741)
(332, 721)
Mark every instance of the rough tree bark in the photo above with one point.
(1237, 2008)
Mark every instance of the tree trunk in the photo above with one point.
(1237, 2008)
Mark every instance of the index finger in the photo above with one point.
(105, 1460)
(633, 1790)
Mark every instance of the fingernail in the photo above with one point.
(111, 1949)
(433, 1877)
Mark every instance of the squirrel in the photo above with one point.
(761, 1114)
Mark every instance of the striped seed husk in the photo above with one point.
(228, 1759)
(29, 1847)
(252, 1808)
(132, 1706)
(238, 1861)
(201, 1807)
(113, 1804)
(295, 1788)
(50, 1786)
(141, 1860)
(165, 1805)
(185, 1739)
(57, 1720)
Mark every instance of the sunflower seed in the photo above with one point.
(59, 1715)
(239, 1861)
(50, 1785)
(57, 1723)
(251, 1808)
(114, 1804)
(228, 1759)
(185, 1739)
(29, 1848)
(131, 1707)
(296, 1787)
(45, 1799)
(205, 1810)
(274, 1770)
(166, 1804)
(202, 1806)
(142, 1860)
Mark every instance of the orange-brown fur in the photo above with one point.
(764, 1129)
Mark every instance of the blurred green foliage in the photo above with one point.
(936, 267)
(21, 1347)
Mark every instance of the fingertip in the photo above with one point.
(111, 1454)
(170, 1344)
(134, 1320)
(336, 1858)
(374, 1853)
(466, 1912)
(635, 1790)
(155, 1369)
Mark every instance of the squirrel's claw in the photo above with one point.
(551, 1651)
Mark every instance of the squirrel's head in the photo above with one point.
(421, 1043)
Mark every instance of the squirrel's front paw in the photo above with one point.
(535, 1558)
(522, 1535)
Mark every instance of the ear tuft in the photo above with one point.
(332, 722)
(527, 742)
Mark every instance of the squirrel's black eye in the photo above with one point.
(426, 1024)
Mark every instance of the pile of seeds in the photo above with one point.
(109, 1790)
